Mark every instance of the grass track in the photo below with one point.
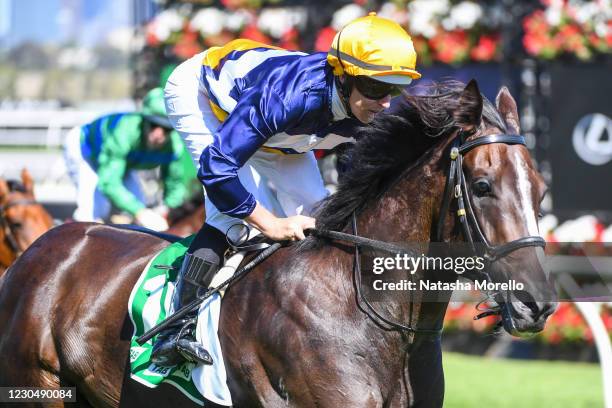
(480, 382)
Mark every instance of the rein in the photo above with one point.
(9, 235)
(455, 188)
(357, 275)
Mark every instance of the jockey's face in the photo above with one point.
(364, 108)
(157, 137)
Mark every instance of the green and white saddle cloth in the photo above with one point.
(149, 304)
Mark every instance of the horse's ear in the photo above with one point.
(26, 180)
(507, 108)
(468, 112)
(4, 190)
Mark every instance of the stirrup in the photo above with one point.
(165, 353)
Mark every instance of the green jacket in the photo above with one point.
(116, 143)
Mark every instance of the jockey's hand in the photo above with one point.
(280, 229)
(162, 210)
(152, 220)
(290, 228)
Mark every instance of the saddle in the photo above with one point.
(149, 309)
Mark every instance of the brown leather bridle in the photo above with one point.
(456, 189)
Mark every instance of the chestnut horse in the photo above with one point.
(22, 219)
(293, 331)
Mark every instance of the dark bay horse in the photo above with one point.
(22, 219)
(292, 331)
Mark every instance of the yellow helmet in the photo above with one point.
(376, 47)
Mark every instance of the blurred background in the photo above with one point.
(66, 62)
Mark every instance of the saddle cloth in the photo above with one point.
(149, 304)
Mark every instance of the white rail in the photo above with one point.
(591, 313)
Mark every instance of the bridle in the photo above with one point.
(455, 188)
(9, 235)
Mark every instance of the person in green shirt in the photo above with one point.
(101, 157)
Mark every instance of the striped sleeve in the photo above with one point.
(257, 116)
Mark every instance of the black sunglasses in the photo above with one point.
(373, 89)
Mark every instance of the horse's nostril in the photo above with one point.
(528, 300)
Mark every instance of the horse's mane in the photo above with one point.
(392, 144)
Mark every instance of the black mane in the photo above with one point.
(393, 143)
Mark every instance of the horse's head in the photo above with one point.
(396, 189)
(502, 192)
(22, 219)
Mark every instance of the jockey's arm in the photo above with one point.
(255, 118)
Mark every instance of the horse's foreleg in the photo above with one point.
(425, 376)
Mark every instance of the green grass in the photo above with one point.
(481, 382)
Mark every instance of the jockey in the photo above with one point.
(102, 155)
(250, 115)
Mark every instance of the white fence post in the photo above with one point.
(591, 313)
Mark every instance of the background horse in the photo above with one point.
(188, 218)
(292, 331)
(22, 219)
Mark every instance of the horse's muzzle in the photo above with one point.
(525, 318)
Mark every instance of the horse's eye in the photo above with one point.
(481, 187)
(16, 225)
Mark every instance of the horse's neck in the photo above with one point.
(407, 213)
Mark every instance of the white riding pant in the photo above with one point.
(92, 204)
(286, 185)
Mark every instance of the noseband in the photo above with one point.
(9, 235)
(456, 188)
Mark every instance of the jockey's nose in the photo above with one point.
(385, 102)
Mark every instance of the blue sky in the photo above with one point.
(57, 21)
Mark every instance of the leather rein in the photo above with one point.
(455, 189)
(9, 235)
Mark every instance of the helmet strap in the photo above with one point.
(338, 52)
(345, 86)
